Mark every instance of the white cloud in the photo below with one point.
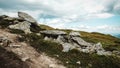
(64, 11)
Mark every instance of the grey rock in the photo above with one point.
(67, 47)
(74, 34)
(98, 47)
(116, 52)
(24, 26)
(104, 53)
(53, 32)
(85, 50)
(80, 41)
(74, 41)
(26, 17)
(100, 50)
(78, 62)
(25, 58)
(52, 66)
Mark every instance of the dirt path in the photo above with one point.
(28, 54)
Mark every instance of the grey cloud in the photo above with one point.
(110, 7)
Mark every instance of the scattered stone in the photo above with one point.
(38, 34)
(25, 58)
(67, 62)
(52, 66)
(26, 17)
(57, 55)
(78, 62)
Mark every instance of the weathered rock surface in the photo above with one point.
(24, 26)
(26, 17)
(74, 34)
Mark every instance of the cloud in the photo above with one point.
(64, 8)
(59, 13)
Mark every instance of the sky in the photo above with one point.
(84, 15)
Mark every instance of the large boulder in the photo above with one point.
(80, 41)
(100, 50)
(26, 17)
(67, 47)
(24, 26)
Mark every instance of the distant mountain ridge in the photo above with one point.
(117, 35)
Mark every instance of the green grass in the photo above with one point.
(45, 27)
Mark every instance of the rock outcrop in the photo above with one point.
(73, 41)
(26, 17)
(24, 26)
(24, 22)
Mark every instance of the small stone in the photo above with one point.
(90, 65)
(52, 66)
(25, 58)
(67, 62)
(57, 55)
(38, 34)
(78, 62)
(15, 46)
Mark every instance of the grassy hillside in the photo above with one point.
(109, 42)
(71, 58)
(45, 27)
